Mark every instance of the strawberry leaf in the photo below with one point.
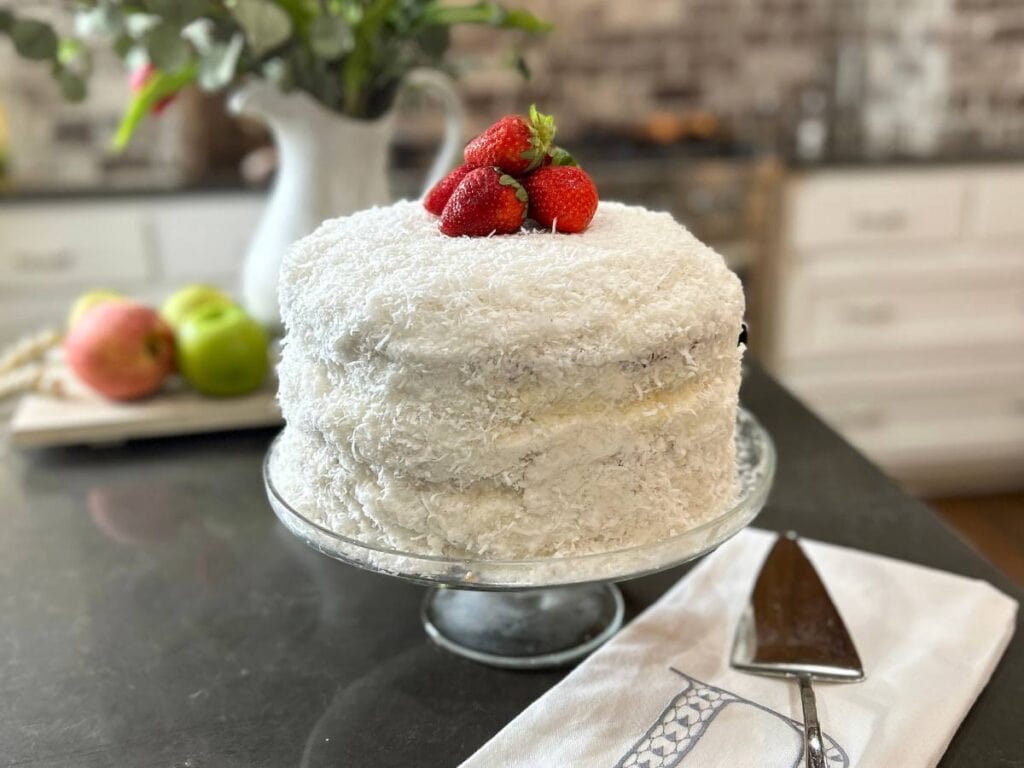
(560, 156)
(542, 133)
(509, 181)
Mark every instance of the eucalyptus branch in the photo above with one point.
(348, 54)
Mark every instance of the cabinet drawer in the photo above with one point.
(998, 204)
(77, 245)
(829, 316)
(851, 208)
(934, 422)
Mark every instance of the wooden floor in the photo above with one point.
(993, 524)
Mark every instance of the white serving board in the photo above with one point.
(83, 416)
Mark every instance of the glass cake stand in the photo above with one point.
(543, 612)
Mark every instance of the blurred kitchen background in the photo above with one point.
(859, 162)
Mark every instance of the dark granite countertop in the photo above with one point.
(155, 614)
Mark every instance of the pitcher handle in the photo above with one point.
(455, 118)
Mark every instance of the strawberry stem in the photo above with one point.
(542, 134)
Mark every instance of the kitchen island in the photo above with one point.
(155, 613)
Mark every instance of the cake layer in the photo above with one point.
(438, 426)
(658, 482)
(385, 280)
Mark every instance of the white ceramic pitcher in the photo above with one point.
(329, 165)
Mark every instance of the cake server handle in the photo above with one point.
(814, 752)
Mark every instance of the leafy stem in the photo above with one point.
(158, 87)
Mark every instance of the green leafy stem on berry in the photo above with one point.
(509, 181)
(542, 134)
(560, 156)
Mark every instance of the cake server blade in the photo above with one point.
(791, 627)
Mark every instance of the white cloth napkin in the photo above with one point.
(661, 693)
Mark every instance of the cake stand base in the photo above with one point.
(525, 629)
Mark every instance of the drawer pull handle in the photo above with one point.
(44, 261)
(880, 221)
(869, 314)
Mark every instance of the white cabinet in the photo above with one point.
(71, 244)
(999, 211)
(866, 208)
(896, 310)
(204, 241)
(51, 250)
(897, 305)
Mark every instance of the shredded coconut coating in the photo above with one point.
(508, 397)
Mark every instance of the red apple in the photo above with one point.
(140, 77)
(121, 349)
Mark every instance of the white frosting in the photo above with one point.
(514, 396)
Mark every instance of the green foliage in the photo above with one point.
(37, 41)
(492, 14)
(103, 20)
(33, 39)
(266, 25)
(348, 54)
(218, 63)
(167, 50)
(71, 86)
(330, 37)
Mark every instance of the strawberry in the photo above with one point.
(486, 202)
(440, 192)
(563, 198)
(514, 145)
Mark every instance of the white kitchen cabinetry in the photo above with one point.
(52, 249)
(205, 241)
(42, 246)
(895, 309)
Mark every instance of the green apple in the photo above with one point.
(91, 300)
(183, 302)
(222, 351)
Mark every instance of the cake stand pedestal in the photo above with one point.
(545, 612)
(531, 628)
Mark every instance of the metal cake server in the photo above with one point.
(791, 628)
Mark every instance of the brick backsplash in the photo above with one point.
(610, 64)
(904, 76)
(917, 76)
